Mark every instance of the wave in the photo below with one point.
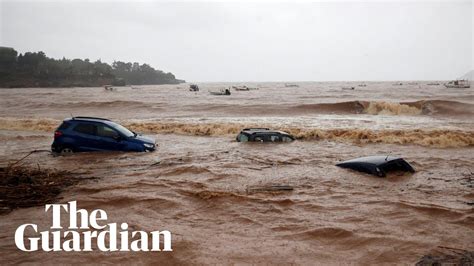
(431, 138)
(424, 107)
(387, 108)
(442, 138)
(427, 107)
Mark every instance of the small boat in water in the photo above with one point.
(348, 88)
(221, 92)
(243, 88)
(240, 88)
(458, 84)
(288, 85)
(109, 88)
(193, 87)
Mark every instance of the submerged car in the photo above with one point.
(378, 165)
(263, 135)
(81, 133)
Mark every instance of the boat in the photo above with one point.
(240, 88)
(221, 92)
(193, 87)
(109, 88)
(288, 85)
(243, 88)
(348, 88)
(462, 83)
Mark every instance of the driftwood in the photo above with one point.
(30, 185)
(448, 256)
(268, 188)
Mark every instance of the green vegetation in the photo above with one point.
(38, 70)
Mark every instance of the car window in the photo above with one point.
(259, 138)
(105, 131)
(64, 126)
(243, 137)
(125, 132)
(286, 139)
(275, 138)
(83, 128)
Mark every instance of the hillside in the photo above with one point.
(469, 75)
(37, 70)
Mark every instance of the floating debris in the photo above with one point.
(25, 186)
(448, 256)
(22, 186)
(268, 188)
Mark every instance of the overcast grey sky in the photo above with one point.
(211, 41)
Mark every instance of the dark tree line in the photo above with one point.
(38, 70)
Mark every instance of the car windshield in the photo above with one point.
(123, 130)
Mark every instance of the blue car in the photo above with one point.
(81, 133)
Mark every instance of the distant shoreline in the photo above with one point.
(83, 87)
(78, 84)
(35, 69)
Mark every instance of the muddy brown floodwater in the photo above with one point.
(195, 184)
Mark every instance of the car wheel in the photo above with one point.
(66, 151)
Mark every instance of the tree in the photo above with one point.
(36, 69)
(8, 58)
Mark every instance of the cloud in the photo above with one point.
(215, 41)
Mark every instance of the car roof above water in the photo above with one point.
(377, 165)
(375, 160)
(261, 130)
(90, 119)
(87, 118)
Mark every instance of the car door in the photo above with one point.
(85, 136)
(109, 138)
(258, 137)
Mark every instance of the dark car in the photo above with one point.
(263, 135)
(378, 165)
(79, 134)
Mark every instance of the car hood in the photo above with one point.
(144, 139)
